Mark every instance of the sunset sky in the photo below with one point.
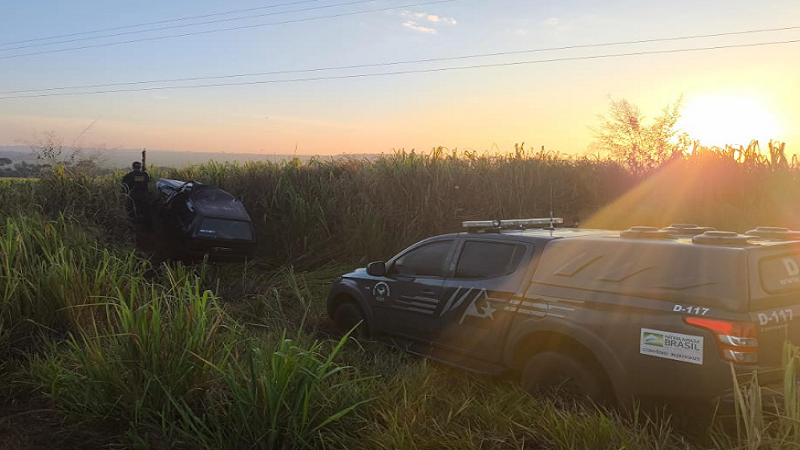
(731, 95)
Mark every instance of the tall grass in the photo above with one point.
(166, 362)
(273, 399)
(52, 271)
(111, 344)
(152, 346)
(422, 406)
(342, 210)
(765, 417)
(96, 202)
(230, 356)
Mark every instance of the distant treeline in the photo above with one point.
(122, 158)
(24, 169)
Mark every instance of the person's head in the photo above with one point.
(137, 166)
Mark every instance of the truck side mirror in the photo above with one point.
(376, 269)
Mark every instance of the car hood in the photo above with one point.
(358, 273)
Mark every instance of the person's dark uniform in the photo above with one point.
(136, 184)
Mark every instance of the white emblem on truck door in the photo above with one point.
(482, 311)
(481, 306)
(381, 292)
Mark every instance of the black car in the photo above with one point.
(614, 315)
(201, 220)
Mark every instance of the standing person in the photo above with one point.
(136, 184)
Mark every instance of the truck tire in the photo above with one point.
(565, 375)
(347, 315)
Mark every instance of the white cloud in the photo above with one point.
(417, 27)
(520, 32)
(552, 22)
(436, 19)
(422, 17)
(558, 24)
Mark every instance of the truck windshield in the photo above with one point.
(225, 229)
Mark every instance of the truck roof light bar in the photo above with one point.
(481, 224)
(477, 226)
(530, 223)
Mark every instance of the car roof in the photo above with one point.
(208, 201)
(214, 202)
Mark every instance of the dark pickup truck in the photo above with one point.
(608, 314)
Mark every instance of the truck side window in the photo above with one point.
(488, 259)
(427, 261)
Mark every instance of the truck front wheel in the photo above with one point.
(347, 316)
(565, 375)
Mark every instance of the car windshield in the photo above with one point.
(225, 229)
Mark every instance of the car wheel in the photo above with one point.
(349, 315)
(564, 375)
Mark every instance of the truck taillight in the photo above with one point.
(737, 341)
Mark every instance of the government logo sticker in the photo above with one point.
(653, 339)
(381, 292)
(664, 344)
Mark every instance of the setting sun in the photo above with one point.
(728, 119)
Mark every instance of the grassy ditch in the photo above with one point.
(242, 355)
(152, 355)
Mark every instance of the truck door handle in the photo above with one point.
(430, 292)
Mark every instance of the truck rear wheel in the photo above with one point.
(565, 375)
(347, 316)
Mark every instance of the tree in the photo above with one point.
(49, 148)
(642, 147)
(5, 162)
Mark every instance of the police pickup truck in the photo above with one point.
(611, 315)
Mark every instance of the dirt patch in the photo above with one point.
(30, 425)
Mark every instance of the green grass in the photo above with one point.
(240, 355)
(159, 358)
(17, 179)
(52, 272)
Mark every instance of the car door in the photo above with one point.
(477, 298)
(407, 299)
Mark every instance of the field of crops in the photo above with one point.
(100, 348)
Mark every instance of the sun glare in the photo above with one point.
(728, 119)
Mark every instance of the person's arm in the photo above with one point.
(127, 183)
